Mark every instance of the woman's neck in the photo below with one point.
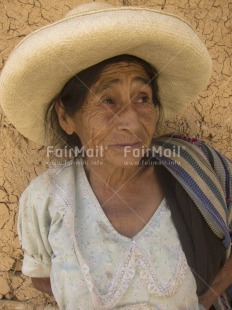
(108, 176)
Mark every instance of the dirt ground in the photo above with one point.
(209, 118)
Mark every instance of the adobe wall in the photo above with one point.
(209, 118)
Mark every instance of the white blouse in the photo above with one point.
(66, 236)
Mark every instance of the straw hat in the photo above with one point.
(45, 60)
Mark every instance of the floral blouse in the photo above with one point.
(66, 236)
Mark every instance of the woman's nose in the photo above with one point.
(128, 118)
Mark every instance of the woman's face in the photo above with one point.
(119, 115)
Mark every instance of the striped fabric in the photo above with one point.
(205, 174)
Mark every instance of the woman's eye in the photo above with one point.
(108, 101)
(143, 99)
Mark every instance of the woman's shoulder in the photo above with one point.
(49, 193)
(56, 176)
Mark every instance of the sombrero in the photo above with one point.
(45, 60)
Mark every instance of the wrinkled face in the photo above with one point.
(119, 114)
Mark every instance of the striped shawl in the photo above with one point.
(206, 176)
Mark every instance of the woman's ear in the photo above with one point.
(66, 122)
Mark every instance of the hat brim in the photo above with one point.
(45, 60)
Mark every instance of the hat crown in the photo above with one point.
(87, 7)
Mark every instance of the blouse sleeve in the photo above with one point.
(33, 229)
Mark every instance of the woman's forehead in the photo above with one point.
(117, 72)
(123, 67)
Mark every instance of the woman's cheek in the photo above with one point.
(149, 116)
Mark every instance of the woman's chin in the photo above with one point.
(117, 157)
(122, 161)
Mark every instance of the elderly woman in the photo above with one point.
(130, 222)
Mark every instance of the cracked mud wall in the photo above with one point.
(209, 118)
